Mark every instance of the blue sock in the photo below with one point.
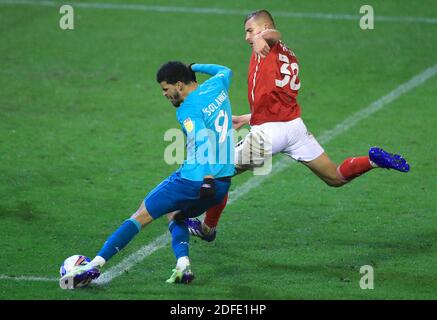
(120, 238)
(180, 238)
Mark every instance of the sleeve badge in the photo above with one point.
(188, 124)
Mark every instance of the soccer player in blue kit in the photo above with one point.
(203, 180)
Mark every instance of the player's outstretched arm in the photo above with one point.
(213, 70)
(272, 36)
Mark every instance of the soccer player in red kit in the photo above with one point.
(276, 126)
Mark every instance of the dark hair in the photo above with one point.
(260, 13)
(174, 71)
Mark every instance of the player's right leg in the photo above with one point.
(117, 241)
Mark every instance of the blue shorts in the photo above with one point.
(176, 193)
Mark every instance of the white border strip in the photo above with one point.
(218, 11)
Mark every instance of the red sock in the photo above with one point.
(213, 214)
(354, 167)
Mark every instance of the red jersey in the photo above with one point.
(273, 85)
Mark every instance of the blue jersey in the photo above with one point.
(206, 120)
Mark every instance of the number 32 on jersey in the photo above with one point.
(290, 72)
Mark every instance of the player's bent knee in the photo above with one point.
(335, 183)
(142, 216)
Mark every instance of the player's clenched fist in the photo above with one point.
(260, 46)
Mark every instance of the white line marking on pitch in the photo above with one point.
(133, 259)
(27, 278)
(218, 11)
(161, 241)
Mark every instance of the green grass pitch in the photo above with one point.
(82, 123)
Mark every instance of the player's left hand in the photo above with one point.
(239, 121)
(192, 72)
(260, 46)
(207, 190)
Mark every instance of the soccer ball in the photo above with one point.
(73, 262)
